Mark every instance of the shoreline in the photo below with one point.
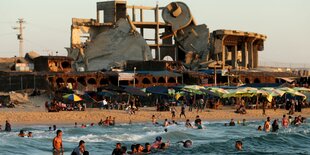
(22, 117)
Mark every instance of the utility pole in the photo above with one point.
(20, 36)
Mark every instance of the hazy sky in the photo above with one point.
(285, 22)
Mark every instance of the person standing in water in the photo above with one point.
(267, 125)
(117, 149)
(173, 111)
(80, 150)
(285, 121)
(275, 126)
(182, 111)
(7, 126)
(154, 121)
(57, 143)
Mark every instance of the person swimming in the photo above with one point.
(187, 143)
(156, 144)
(260, 128)
(232, 123)
(166, 130)
(83, 126)
(238, 145)
(21, 133)
(147, 149)
(133, 149)
(29, 134)
(188, 124)
(139, 148)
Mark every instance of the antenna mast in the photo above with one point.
(20, 36)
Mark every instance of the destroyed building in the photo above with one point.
(117, 35)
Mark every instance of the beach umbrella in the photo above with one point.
(292, 92)
(160, 90)
(301, 89)
(134, 91)
(241, 92)
(209, 92)
(72, 97)
(273, 92)
(194, 89)
(106, 93)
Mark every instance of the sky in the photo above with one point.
(285, 22)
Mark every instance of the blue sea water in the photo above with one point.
(214, 139)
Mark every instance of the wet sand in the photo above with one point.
(38, 116)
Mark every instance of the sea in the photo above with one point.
(215, 138)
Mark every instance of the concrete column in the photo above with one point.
(223, 55)
(223, 52)
(98, 16)
(244, 55)
(250, 54)
(234, 57)
(255, 56)
(141, 20)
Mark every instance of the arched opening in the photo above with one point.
(71, 80)
(81, 80)
(161, 80)
(71, 83)
(256, 80)
(171, 80)
(60, 82)
(146, 81)
(247, 81)
(154, 80)
(65, 65)
(91, 81)
(104, 81)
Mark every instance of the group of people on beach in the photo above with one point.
(157, 145)
(56, 106)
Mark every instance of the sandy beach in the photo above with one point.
(37, 115)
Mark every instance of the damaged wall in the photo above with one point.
(115, 46)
